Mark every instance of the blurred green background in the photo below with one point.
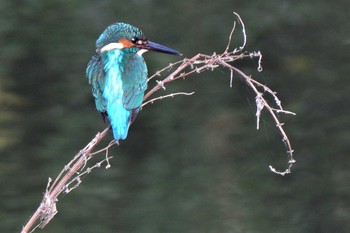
(189, 164)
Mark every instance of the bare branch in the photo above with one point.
(230, 37)
(243, 31)
(47, 208)
(70, 176)
(151, 101)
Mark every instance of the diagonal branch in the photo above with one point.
(47, 208)
(70, 177)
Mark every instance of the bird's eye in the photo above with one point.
(138, 41)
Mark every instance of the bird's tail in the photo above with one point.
(119, 118)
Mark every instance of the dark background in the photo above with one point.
(189, 164)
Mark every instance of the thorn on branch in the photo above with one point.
(292, 161)
(161, 84)
(191, 65)
(279, 124)
(65, 188)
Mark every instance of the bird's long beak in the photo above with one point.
(151, 46)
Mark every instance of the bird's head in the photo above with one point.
(128, 38)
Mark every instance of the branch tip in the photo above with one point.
(71, 175)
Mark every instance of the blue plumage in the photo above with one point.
(113, 94)
(117, 74)
(126, 81)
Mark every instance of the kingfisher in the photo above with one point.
(117, 74)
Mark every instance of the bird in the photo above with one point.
(118, 74)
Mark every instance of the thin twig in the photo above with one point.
(47, 208)
(70, 176)
(151, 101)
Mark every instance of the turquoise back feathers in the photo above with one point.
(117, 74)
(118, 78)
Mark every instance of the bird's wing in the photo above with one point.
(134, 82)
(96, 76)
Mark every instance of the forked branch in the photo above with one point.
(80, 165)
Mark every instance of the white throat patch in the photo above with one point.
(141, 51)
